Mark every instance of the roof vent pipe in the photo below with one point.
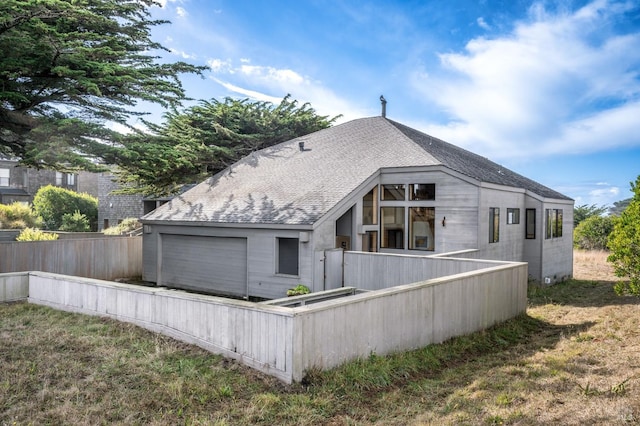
(301, 146)
(383, 101)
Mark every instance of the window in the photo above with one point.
(370, 241)
(5, 174)
(554, 223)
(392, 227)
(370, 207)
(71, 179)
(530, 232)
(494, 224)
(287, 256)
(393, 192)
(513, 216)
(421, 228)
(422, 191)
(58, 179)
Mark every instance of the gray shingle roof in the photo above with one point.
(283, 185)
(475, 166)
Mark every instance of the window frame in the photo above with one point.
(6, 178)
(494, 225)
(431, 223)
(400, 187)
(384, 237)
(282, 268)
(373, 208)
(430, 192)
(513, 216)
(553, 225)
(530, 234)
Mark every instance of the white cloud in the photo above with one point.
(271, 84)
(181, 12)
(220, 65)
(589, 193)
(557, 84)
(483, 24)
(252, 94)
(182, 54)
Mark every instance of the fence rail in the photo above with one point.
(100, 258)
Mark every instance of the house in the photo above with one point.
(268, 222)
(113, 208)
(18, 183)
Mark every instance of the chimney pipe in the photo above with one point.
(383, 101)
(301, 146)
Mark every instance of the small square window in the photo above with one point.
(288, 256)
(513, 216)
(5, 174)
(422, 191)
(393, 192)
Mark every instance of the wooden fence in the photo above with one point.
(288, 341)
(375, 271)
(102, 258)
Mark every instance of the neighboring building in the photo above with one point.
(114, 208)
(263, 225)
(18, 183)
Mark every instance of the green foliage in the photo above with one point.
(593, 233)
(75, 222)
(32, 234)
(298, 290)
(624, 244)
(18, 216)
(580, 213)
(127, 225)
(52, 203)
(205, 139)
(69, 66)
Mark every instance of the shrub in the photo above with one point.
(593, 233)
(52, 203)
(127, 225)
(32, 234)
(298, 290)
(75, 222)
(624, 244)
(18, 216)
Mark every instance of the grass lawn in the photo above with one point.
(574, 358)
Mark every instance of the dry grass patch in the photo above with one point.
(573, 359)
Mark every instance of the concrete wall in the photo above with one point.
(102, 258)
(286, 342)
(407, 317)
(258, 336)
(14, 287)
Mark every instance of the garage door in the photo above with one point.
(209, 264)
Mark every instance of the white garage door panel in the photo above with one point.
(212, 264)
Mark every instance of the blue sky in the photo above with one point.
(549, 89)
